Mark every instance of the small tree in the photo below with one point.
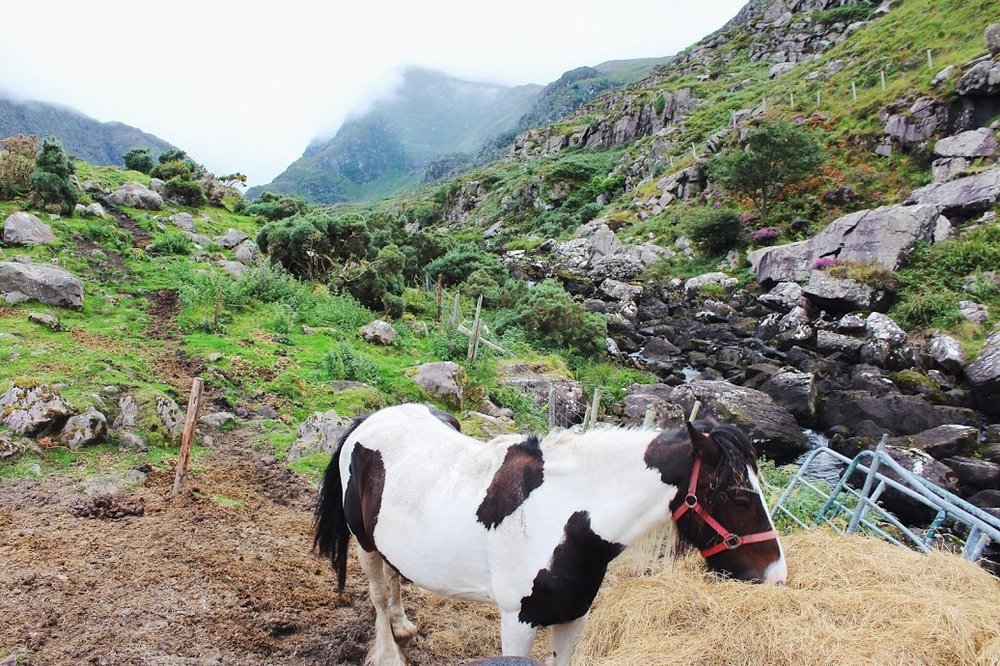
(556, 320)
(777, 154)
(714, 231)
(17, 163)
(51, 179)
(187, 192)
(311, 244)
(138, 159)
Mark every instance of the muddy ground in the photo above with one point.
(222, 574)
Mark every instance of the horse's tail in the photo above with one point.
(331, 534)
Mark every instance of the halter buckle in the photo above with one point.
(732, 541)
(691, 500)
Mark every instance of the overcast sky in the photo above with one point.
(243, 88)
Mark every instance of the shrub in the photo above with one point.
(870, 274)
(171, 243)
(379, 285)
(51, 178)
(271, 206)
(714, 231)
(555, 319)
(187, 192)
(765, 236)
(172, 155)
(421, 249)
(138, 159)
(589, 211)
(17, 163)
(311, 244)
(861, 11)
(463, 260)
(481, 283)
(659, 104)
(343, 362)
(167, 170)
(266, 283)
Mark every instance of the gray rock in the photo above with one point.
(34, 410)
(183, 221)
(158, 186)
(90, 427)
(41, 282)
(50, 322)
(943, 76)
(197, 239)
(916, 124)
(171, 416)
(962, 197)
(924, 466)
(444, 380)
(694, 285)
(783, 297)
(538, 381)
(772, 427)
(942, 441)
(982, 79)
(234, 268)
(319, 433)
(948, 168)
(796, 392)
(973, 311)
(779, 69)
(885, 236)
(128, 414)
(217, 419)
(136, 196)
(974, 143)
(974, 473)
(246, 252)
(26, 229)
(379, 332)
(15, 446)
(130, 440)
(947, 352)
(882, 328)
(843, 294)
(829, 342)
(895, 413)
(619, 291)
(231, 239)
(652, 398)
(983, 375)
(992, 38)
(852, 322)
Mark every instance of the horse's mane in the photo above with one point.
(736, 452)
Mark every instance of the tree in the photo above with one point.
(138, 159)
(51, 179)
(554, 319)
(777, 154)
(312, 244)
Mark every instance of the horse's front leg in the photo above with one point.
(402, 628)
(516, 637)
(384, 651)
(564, 639)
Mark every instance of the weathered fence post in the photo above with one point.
(854, 91)
(455, 311)
(791, 99)
(440, 295)
(818, 98)
(930, 60)
(187, 439)
(476, 324)
(552, 406)
(590, 417)
(881, 74)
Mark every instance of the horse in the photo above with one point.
(531, 525)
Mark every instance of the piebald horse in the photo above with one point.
(531, 525)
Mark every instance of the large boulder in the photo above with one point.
(893, 413)
(183, 221)
(982, 79)
(975, 474)
(246, 252)
(34, 409)
(962, 197)
(90, 427)
(909, 510)
(136, 195)
(984, 375)
(231, 239)
(444, 380)
(946, 351)
(319, 433)
(885, 236)
(41, 282)
(26, 229)
(772, 427)
(539, 382)
(379, 332)
(653, 399)
(942, 441)
(796, 392)
(974, 143)
(843, 294)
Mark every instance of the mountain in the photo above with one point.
(429, 115)
(88, 139)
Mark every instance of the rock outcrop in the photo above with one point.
(44, 283)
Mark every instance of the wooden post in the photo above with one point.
(552, 406)
(881, 74)
(817, 98)
(791, 99)
(930, 60)
(595, 404)
(693, 153)
(649, 419)
(427, 281)
(455, 311)
(854, 91)
(694, 411)
(187, 439)
(474, 338)
(440, 295)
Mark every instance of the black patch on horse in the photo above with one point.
(521, 472)
(565, 590)
(670, 454)
(363, 496)
(445, 417)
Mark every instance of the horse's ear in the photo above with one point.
(704, 446)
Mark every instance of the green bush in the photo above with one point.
(481, 283)
(168, 170)
(271, 206)
(267, 283)
(421, 249)
(17, 163)
(659, 104)
(344, 363)
(313, 243)
(379, 285)
(171, 243)
(551, 315)
(51, 179)
(186, 192)
(138, 159)
(714, 230)
(860, 11)
(462, 261)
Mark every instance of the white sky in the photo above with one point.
(245, 86)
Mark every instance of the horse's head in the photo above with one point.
(722, 512)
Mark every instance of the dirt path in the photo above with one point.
(222, 574)
(140, 237)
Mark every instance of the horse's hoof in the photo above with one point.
(404, 630)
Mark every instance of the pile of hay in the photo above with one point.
(849, 600)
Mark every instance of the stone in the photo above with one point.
(912, 126)
(980, 80)
(34, 410)
(779, 69)
(949, 168)
(974, 143)
(128, 414)
(246, 252)
(943, 76)
(983, 375)
(843, 294)
(444, 380)
(231, 239)
(654, 399)
(895, 413)
(321, 432)
(41, 282)
(90, 427)
(26, 229)
(171, 417)
(158, 186)
(694, 285)
(95, 210)
(234, 268)
(975, 473)
(941, 441)
(217, 419)
(829, 342)
(379, 332)
(50, 322)
(136, 195)
(183, 221)
(658, 354)
(539, 381)
(783, 297)
(992, 38)
(616, 290)
(973, 311)
(911, 511)
(769, 425)
(880, 327)
(947, 352)
(796, 392)
(15, 446)
(885, 236)
(962, 197)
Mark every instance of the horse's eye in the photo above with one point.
(741, 500)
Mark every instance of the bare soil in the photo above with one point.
(222, 574)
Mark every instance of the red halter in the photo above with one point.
(729, 541)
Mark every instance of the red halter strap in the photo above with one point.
(729, 541)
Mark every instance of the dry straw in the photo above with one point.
(849, 600)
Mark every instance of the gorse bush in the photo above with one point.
(17, 163)
(186, 192)
(462, 261)
(138, 159)
(714, 231)
(344, 363)
(378, 285)
(167, 170)
(171, 243)
(554, 319)
(271, 206)
(51, 178)
(311, 244)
